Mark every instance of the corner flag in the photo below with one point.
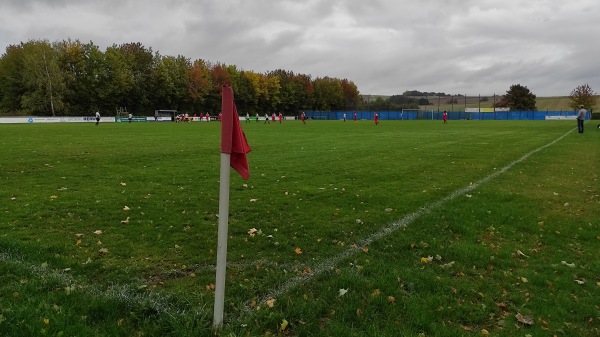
(233, 139)
(233, 153)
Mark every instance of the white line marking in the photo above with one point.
(331, 262)
(128, 294)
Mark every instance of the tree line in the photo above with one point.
(70, 78)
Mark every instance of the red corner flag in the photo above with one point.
(233, 139)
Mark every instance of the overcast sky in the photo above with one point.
(384, 46)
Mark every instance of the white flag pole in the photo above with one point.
(222, 239)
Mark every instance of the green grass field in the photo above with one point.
(411, 228)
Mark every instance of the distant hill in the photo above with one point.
(559, 103)
(555, 103)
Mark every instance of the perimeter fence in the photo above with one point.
(435, 115)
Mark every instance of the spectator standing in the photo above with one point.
(581, 118)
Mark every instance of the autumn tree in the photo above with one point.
(583, 95)
(170, 88)
(73, 78)
(12, 87)
(199, 85)
(42, 78)
(138, 63)
(84, 70)
(329, 94)
(518, 97)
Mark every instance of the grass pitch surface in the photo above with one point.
(111, 230)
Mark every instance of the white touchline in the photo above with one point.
(129, 293)
(331, 262)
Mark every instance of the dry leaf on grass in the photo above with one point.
(527, 320)
(570, 265)
(284, 325)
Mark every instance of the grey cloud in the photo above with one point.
(384, 46)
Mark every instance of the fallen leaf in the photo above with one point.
(424, 260)
(125, 208)
(270, 302)
(520, 253)
(79, 235)
(366, 249)
(527, 320)
(126, 221)
(376, 293)
(447, 265)
(284, 325)
(123, 184)
(342, 292)
(53, 197)
(252, 231)
(103, 251)
(570, 265)
(98, 232)
(298, 250)
(485, 332)
(580, 282)
(253, 200)
(391, 299)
